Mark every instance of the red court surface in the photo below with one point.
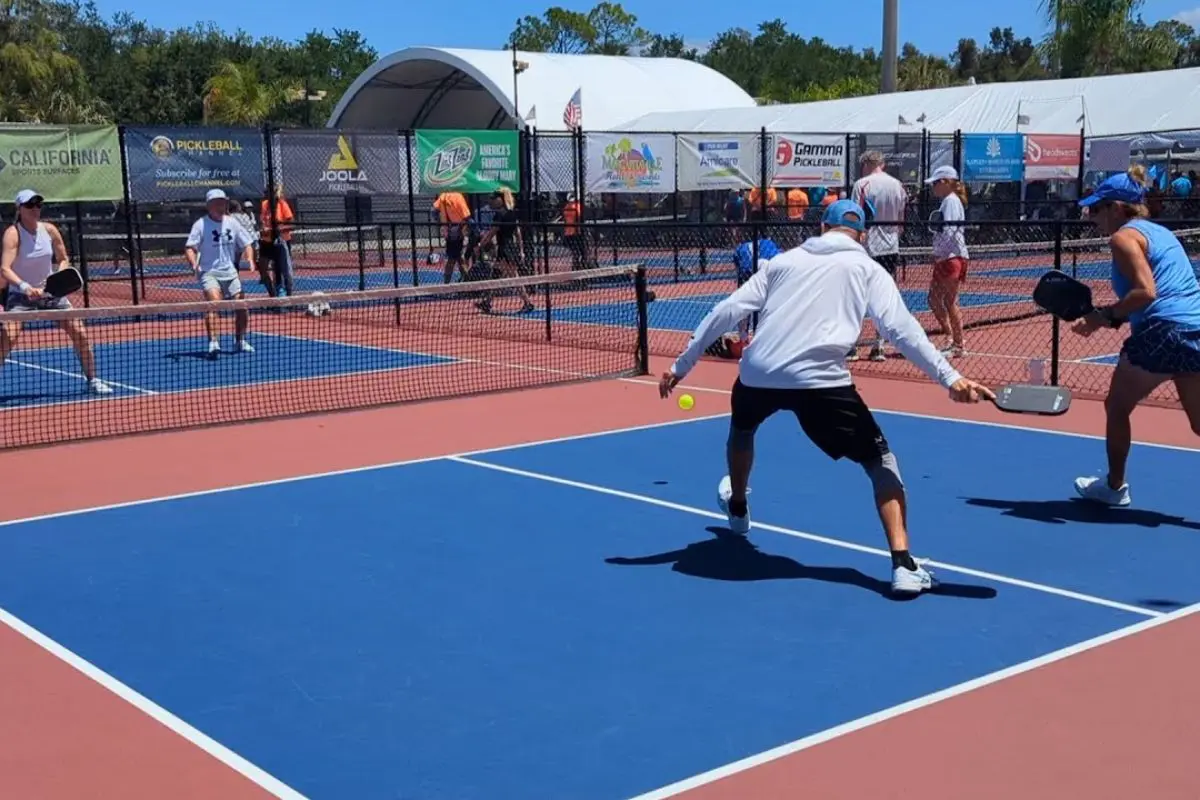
(1107, 719)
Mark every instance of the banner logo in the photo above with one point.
(630, 166)
(448, 165)
(343, 168)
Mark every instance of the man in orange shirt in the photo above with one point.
(572, 212)
(757, 206)
(271, 253)
(455, 214)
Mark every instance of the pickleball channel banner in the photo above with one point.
(172, 164)
(474, 162)
(63, 164)
(339, 163)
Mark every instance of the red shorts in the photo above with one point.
(951, 269)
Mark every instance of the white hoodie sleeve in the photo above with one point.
(886, 307)
(750, 297)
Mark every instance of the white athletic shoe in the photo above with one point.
(912, 581)
(214, 347)
(245, 346)
(738, 525)
(97, 386)
(1098, 491)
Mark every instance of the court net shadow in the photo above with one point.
(729, 557)
(1060, 512)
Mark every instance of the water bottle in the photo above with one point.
(1037, 371)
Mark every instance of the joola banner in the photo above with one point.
(804, 160)
(167, 164)
(338, 163)
(474, 162)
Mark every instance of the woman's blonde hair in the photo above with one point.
(506, 196)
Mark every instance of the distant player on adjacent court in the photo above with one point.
(884, 199)
(950, 256)
(31, 251)
(811, 302)
(1157, 293)
(214, 247)
(455, 214)
(506, 232)
(743, 262)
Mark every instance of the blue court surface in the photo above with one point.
(570, 620)
(159, 366)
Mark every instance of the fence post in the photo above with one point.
(129, 213)
(412, 208)
(273, 203)
(675, 211)
(1054, 323)
(643, 322)
(1082, 166)
(81, 248)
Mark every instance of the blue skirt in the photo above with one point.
(1164, 348)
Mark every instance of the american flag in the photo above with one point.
(573, 113)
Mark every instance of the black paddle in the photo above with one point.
(63, 282)
(1019, 398)
(1063, 296)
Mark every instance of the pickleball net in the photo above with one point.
(317, 353)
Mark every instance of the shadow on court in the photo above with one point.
(1060, 512)
(729, 557)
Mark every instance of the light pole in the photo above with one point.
(891, 44)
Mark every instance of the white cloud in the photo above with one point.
(1190, 17)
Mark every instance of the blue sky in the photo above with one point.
(389, 25)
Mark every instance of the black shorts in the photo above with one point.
(890, 262)
(835, 419)
(454, 248)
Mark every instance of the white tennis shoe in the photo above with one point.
(912, 581)
(1097, 490)
(738, 525)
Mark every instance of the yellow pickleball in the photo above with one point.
(686, 401)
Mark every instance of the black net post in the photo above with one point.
(643, 321)
(129, 215)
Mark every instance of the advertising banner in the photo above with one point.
(1109, 155)
(63, 164)
(474, 162)
(993, 157)
(339, 163)
(902, 152)
(627, 163)
(808, 160)
(169, 164)
(1051, 157)
(718, 162)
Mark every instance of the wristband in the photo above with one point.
(24, 287)
(1113, 321)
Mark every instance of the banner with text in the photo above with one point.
(718, 162)
(62, 164)
(993, 157)
(474, 162)
(806, 160)
(339, 163)
(168, 164)
(901, 152)
(628, 163)
(1050, 158)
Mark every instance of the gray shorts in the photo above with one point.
(19, 302)
(230, 286)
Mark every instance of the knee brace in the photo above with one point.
(884, 473)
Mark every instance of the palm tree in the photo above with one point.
(1099, 37)
(234, 95)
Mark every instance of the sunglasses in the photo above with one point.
(34, 204)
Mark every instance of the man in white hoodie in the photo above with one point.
(811, 302)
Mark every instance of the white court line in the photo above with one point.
(153, 710)
(913, 705)
(811, 537)
(79, 375)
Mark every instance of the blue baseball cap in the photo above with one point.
(837, 212)
(1119, 187)
(1181, 186)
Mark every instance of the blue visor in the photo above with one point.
(1119, 187)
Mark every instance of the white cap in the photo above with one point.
(215, 194)
(27, 196)
(943, 173)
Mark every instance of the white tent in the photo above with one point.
(1103, 106)
(428, 87)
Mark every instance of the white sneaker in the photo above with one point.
(245, 346)
(97, 386)
(738, 525)
(1098, 491)
(912, 581)
(214, 347)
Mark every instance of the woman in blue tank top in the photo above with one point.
(1158, 295)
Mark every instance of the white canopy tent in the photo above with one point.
(429, 87)
(1103, 106)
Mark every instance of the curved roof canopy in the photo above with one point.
(429, 87)
(1105, 106)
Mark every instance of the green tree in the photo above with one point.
(236, 95)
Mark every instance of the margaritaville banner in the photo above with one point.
(62, 164)
(474, 162)
(167, 164)
(630, 163)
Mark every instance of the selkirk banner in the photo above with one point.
(63, 164)
(172, 164)
(807, 160)
(470, 161)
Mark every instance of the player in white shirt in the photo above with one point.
(950, 256)
(811, 302)
(884, 199)
(214, 247)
